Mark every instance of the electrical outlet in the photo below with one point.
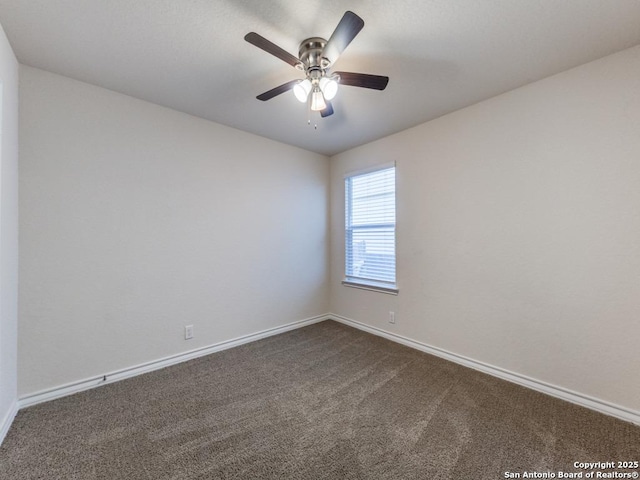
(392, 317)
(188, 332)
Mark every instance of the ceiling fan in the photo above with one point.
(315, 58)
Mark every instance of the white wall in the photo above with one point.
(137, 220)
(518, 231)
(8, 233)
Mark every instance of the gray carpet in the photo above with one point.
(322, 402)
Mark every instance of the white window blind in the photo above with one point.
(370, 228)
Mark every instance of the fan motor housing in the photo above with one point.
(310, 53)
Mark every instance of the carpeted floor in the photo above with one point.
(322, 402)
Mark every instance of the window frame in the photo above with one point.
(360, 282)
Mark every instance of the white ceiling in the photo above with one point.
(440, 55)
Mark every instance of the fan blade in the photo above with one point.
(274, 92)
(349, 26)
(377, 82)
(270, 47)
(328, 110)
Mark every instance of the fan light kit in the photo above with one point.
(326, 89)
(315, 58)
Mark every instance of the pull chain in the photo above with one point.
(315, 125)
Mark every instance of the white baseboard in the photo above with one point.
(8, 420)
(114, 376)
(540, 386)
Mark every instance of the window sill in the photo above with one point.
(373, 286)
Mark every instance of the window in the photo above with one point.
(370, 230)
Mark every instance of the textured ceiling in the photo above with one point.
(440, 55)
